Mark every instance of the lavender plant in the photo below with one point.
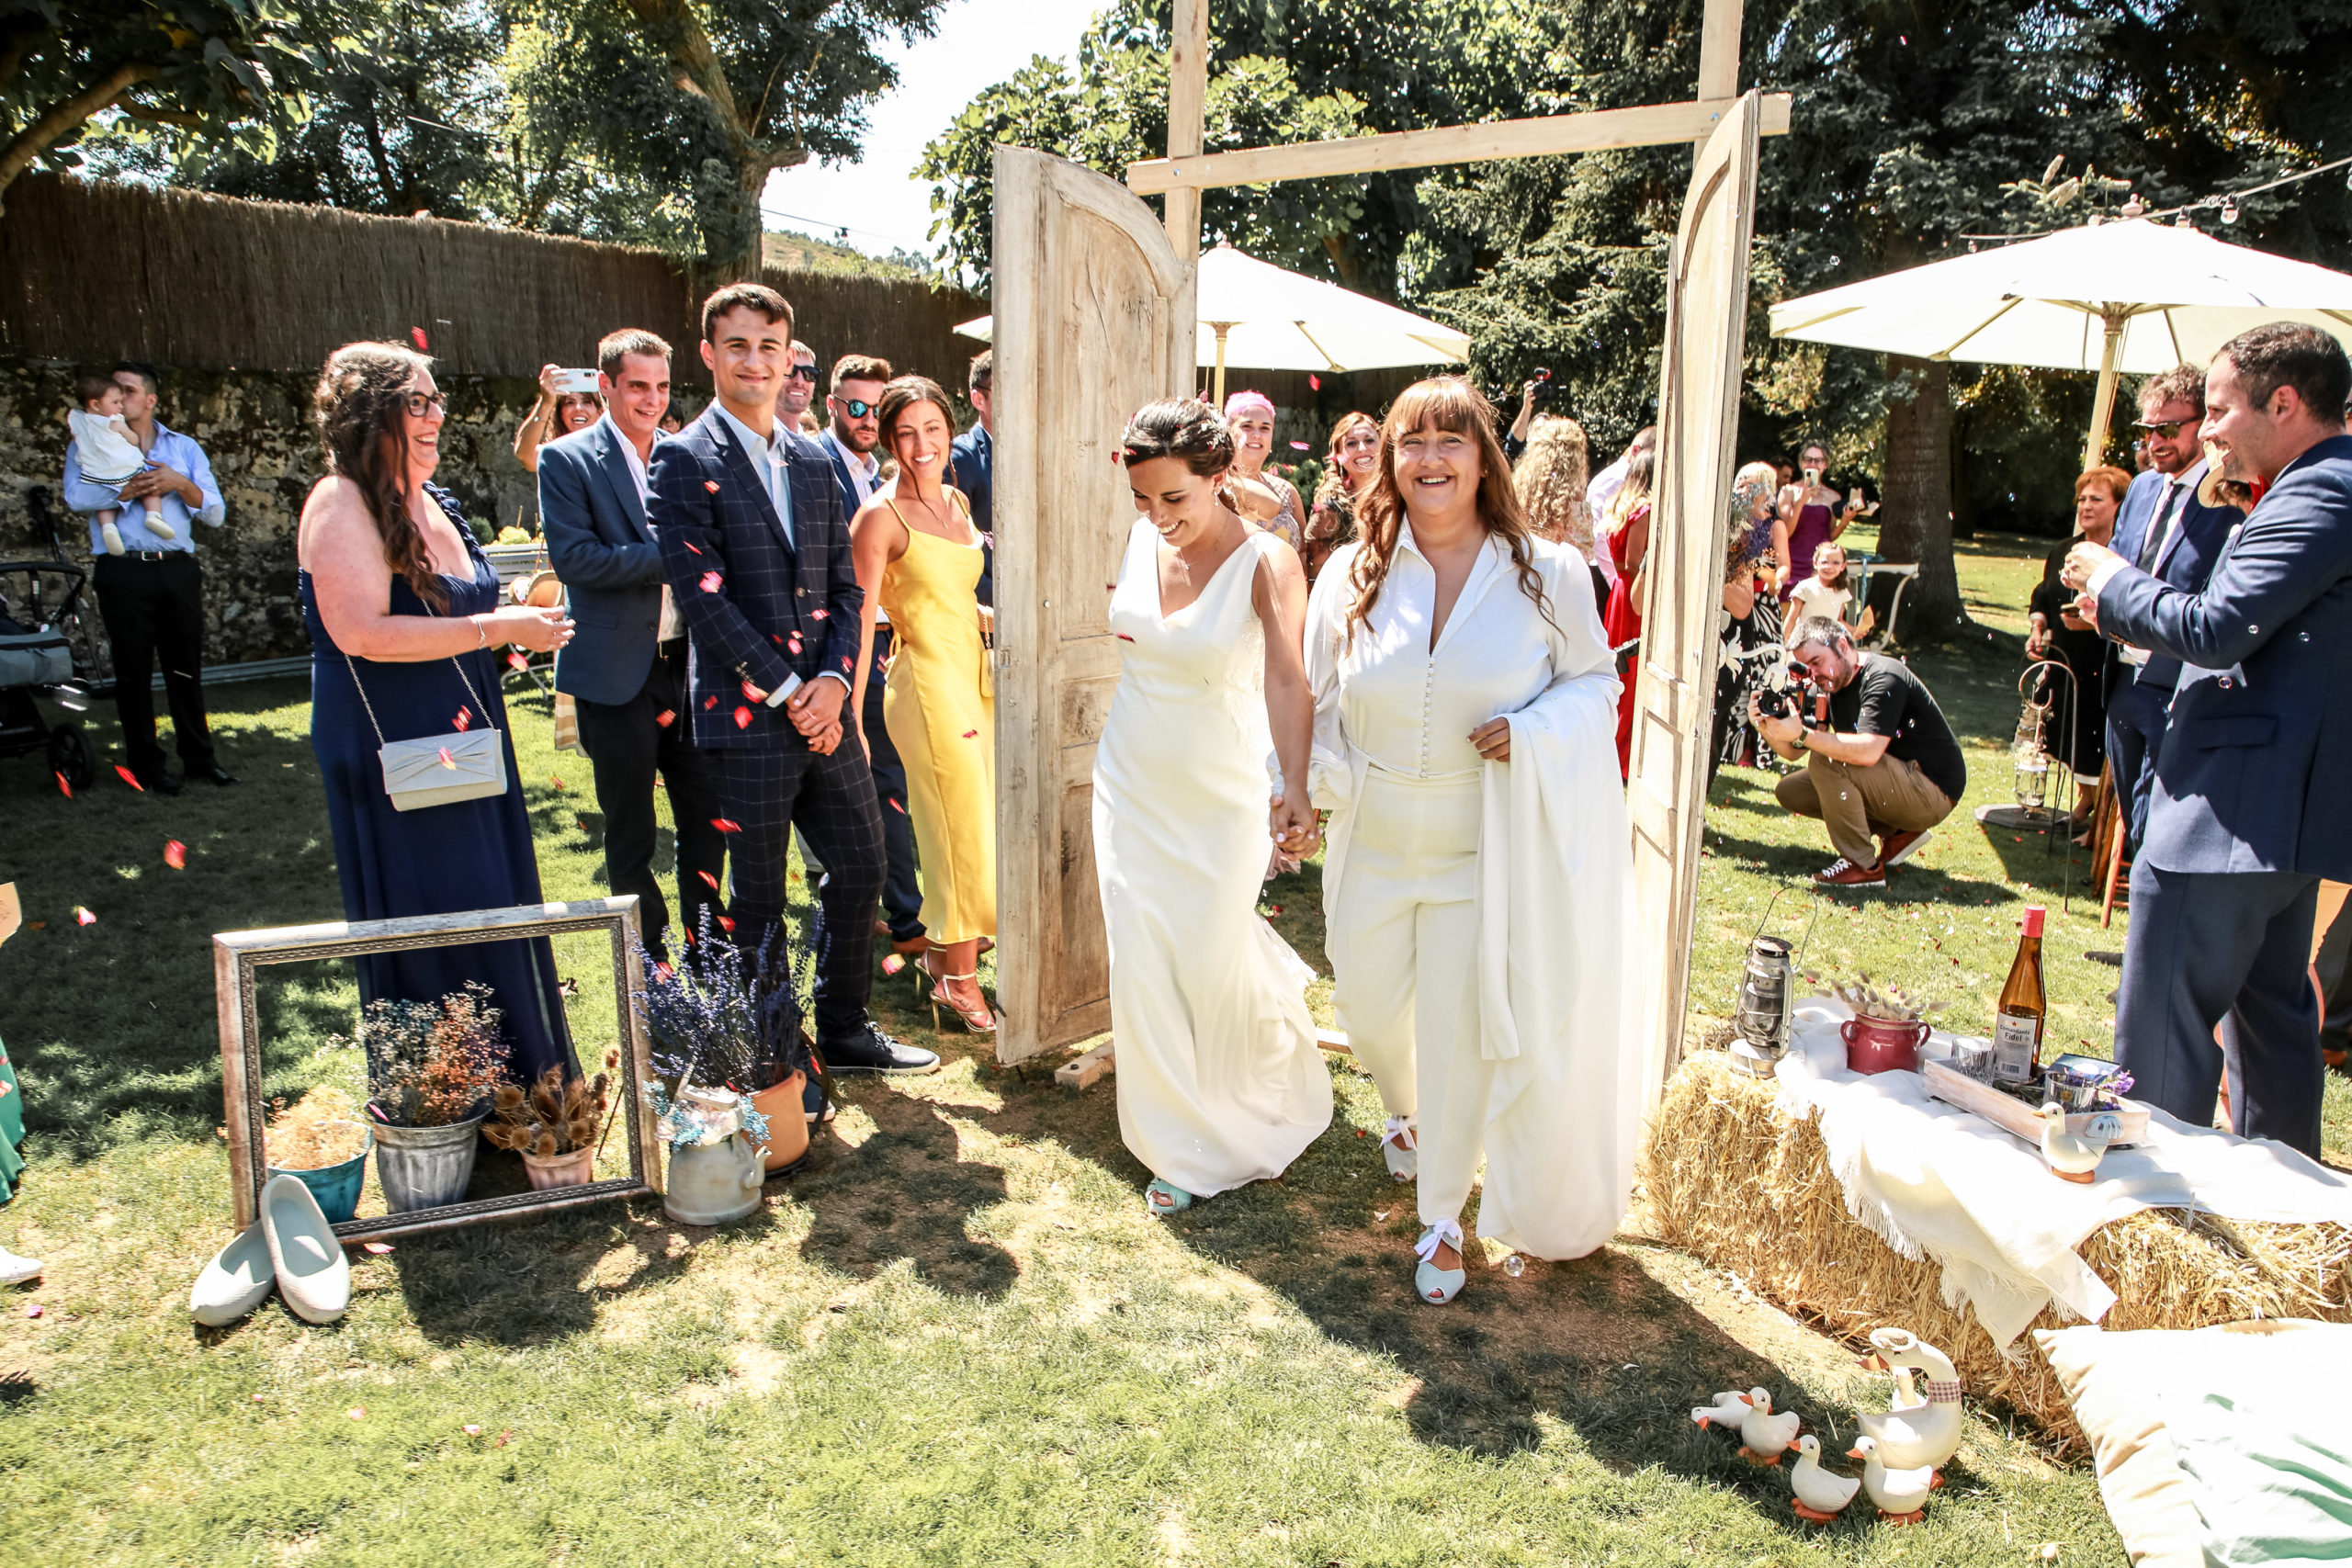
(716, 1022)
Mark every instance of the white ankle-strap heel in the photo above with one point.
(1432, 1285)
(1404, 1161)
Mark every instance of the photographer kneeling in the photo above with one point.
(1880, 762)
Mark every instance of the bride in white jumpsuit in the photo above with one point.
(1476, 883)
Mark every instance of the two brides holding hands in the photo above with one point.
(1446, 694)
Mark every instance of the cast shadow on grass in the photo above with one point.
(904, 1193)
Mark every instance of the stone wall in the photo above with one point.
(255, 426)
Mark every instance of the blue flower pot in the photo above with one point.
(336, 1187)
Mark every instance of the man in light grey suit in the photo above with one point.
(626, 666)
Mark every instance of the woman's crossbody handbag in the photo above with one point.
(439, 770)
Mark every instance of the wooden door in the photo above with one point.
(1094, 319)
(1706, 329)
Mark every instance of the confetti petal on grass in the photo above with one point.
(83, 917)
(471, 1430)
(176, 854)
(260, 1399)
(377, 1247)
(357, 1413)
(130, 778)
(711, 582)
(33, 1310)
(556, 780)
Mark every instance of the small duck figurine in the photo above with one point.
(1924, 1435)
(1900, 1495)
(2074, 1156)
(1764, 1436)
(1729, 1408)
(1906, 1391)
(1820, 1496)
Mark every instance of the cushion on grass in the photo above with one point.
(2217, 1444)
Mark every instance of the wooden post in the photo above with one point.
(1188, 92)
(1718, 57)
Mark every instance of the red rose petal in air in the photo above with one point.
(83, 917)
(130, 778)
(820, 614)
(899, 808)
(971, 734)
(1298, 446)
(710, 702)
(893, 964)
(67, 788)
(665, 717)
(689, 545)
(417, 336)
(518, 660)
(465, 720)
(1123, 637)
(554, 780)
(727, 925)
(742, 718)
(752, 691)
(707, 877)
(711, 582)
(711, 485)
(727, 825)
(447, 760)
(1316, 382)
(793, 643)
(176, 854)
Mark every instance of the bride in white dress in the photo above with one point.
(1220, 1081)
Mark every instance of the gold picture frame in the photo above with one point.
(237, 957)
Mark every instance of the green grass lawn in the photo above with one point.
(956, 1337)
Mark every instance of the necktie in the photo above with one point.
(2153, 546)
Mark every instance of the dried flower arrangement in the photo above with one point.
(432, 1065)
(714, 1025)
(553, 1117)
(321, 1129)
(1870, 1000)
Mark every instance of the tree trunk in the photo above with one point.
(1916, 524)
(60, 119)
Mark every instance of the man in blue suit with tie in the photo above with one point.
(2247, 812)
(755, 546)
(2167, 533)
(973, 456)
(626, 667)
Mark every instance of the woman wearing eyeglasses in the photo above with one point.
(556, 413)
(406, 623)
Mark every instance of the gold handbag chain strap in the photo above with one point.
(358, 686)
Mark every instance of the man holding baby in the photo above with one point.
(151, 590)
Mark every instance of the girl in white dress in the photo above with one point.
(1476, 883)
(1220, 1081)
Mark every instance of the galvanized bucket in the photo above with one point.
(423, 1167)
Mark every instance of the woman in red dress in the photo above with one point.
(1625, 532)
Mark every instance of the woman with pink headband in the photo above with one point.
(1267, 499)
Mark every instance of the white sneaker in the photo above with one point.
(15, 1270)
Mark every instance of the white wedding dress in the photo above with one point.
(1220, 1081)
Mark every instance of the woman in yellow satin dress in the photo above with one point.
(918, 556)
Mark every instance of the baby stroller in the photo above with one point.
(38, 598)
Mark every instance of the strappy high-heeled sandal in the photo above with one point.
(1404, 1159)
(980, 1023)
(1163, 1200)
(1435, 1285)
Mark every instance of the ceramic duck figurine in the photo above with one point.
(1726, 1412)
(1820, 1496)
(1926, 1435)
(1764, 1436)
(1901, 1494)
(1907, 1393)
(2074, 1156)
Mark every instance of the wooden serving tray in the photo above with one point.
(2014, 1115)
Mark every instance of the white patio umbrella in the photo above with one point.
(1254, 314)
(2130, 297)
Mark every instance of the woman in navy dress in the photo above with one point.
(405, 623)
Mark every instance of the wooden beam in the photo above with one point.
(1188, 91)
(1652, 124)
(1718, 54)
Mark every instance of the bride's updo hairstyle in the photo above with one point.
(1183, 428)
(1449, 403)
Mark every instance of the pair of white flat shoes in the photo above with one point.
(291, 1249)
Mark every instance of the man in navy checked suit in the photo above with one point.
(2248, 810)
(756, 552)
(2167, 533)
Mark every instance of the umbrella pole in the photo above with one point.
(2103, 403)
(1218, 394)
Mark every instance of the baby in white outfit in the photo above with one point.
(109, 454)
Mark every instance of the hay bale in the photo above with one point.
(1733, 1182)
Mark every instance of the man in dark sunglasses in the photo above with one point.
(799, 385)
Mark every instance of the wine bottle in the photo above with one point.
(2017, 1023)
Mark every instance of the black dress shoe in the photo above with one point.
(159, 783)
(214, 771)
(874, 1052)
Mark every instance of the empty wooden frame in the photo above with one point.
(237, 957)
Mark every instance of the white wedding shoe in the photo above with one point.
(238, 1279)
(1432, 1285)
(15, 1269)
(313, 1273)
(1404, 1159)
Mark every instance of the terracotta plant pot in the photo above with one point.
(571, 1169)
(1882, 1045)
(787, 1122)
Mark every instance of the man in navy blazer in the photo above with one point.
(625, 668)
(756, 550)
(973, 456)
(2166, 532)
(2248, 809)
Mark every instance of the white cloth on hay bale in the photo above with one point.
(1934, 1181)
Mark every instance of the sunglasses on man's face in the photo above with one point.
(419, 401)
(856, 408)
(801, 373)
(2169, 429)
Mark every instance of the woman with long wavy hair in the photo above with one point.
(405, 621)
(1348, 467)
(1476, 883)
(1551, 476)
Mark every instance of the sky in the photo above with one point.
(979, 43)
